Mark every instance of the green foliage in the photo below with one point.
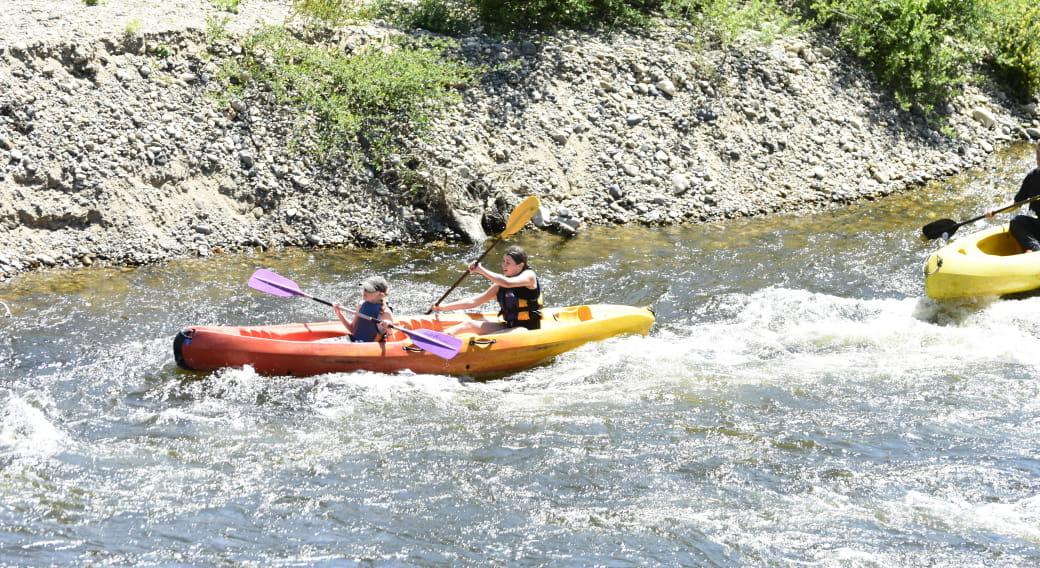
(328, 12)
(722, 20)
(727, 20)
(216, 27)
(227, 5)
(447, 17)
(509, 15)
(91, 2)
(1013, 29)
(371, 98)
(919, 48)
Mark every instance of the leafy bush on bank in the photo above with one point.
(358, 100)
(1012, 32)
(925, 50)
(508, 15)
(920, 48)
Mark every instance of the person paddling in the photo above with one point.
(1026, 228)
(374, 305)
(519, 295)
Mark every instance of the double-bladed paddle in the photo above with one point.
(948, 227)
(440, 344)
(521, 214)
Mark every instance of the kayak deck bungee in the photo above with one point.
(987, 263)
(303, 349)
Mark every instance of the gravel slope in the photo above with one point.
(113, 148)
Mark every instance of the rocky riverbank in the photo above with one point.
(113, 149)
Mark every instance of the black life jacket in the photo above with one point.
(520, 304)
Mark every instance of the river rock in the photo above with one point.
(985, 117)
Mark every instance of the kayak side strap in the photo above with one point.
(938, 265)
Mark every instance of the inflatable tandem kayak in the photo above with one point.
(303, 349)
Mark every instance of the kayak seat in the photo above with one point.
(574, 314)
(1000, 244)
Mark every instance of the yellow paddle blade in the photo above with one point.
(521, 214)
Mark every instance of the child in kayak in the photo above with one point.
(518, 292)
(374, 305)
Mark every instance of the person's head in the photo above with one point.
(374, 288)
(514, 261)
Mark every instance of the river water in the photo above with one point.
(798, 403)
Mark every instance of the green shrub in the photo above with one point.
(216, 27)
(720, 20)
(726, 20)
(227, 5)
(505, 16)
(448, 17)
(329, 12)
(1013, 29)
(919, 48)
(368, 100)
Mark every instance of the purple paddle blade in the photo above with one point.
(440, 344)
(267, 281)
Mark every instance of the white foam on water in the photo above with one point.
(797, 332)
(1016, 520)
(363, 396)
(26, 430)
(771, 335)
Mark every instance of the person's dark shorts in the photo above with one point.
(531, 324)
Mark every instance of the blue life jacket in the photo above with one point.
(366, 329)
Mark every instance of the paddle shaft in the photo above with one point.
(1015, 205)
(465, 274)
(947, 227)
(296, 292)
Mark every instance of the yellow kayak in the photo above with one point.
(987, 263)
(303, 349)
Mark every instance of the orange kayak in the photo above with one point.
(303, 349)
